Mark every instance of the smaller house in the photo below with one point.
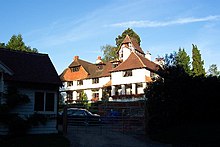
(33, 75)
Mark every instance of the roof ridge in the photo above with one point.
(23, 52)
(139, 59)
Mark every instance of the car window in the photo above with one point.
(70, 112)
(79, 113)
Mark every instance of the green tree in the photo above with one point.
(183, 60)
(197, 62)
(16, 43)
(129, 32)
(109, 53)
(84, 100)
(105, 95)
(2, 45)
(213, 70)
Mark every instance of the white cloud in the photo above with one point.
(148, 23)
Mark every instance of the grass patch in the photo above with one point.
(51, 140)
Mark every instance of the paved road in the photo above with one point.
(99, 136)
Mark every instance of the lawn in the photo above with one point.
(52, 140)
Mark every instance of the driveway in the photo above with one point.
(99, 136)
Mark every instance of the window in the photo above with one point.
(96, 94)
(70, 83)
(80, 82)
(127, 73)
(49, 102)
(69, 94)
(75, 69)
(139, 85)
(95, 80)
(114, 65)
(100, 66)
(44, 101)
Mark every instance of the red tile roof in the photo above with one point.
(79, 62)
(93, 70)
(29, 67)
(134, 43)
(135, 61)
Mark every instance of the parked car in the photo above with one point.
(81, 116)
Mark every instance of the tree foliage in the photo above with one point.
(129, 32)
(183, 60)
(197, 62)
(2, 45)
(213, 70)
(16, 43)
(180, 99)
(109, 53)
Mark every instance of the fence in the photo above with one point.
(126, 117)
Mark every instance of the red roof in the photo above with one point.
(29, 67)
(135, 61)
(134, 43)
(93, 70)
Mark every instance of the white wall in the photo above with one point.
(87, 84)
(138, 76)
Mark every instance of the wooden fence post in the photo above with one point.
(65, 120)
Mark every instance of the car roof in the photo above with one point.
(76, 109)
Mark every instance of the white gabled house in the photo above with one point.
(33, 75)
(82, 76)
(124, 79)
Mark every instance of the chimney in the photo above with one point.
(76, 58)
(148, 55)
(98, 60)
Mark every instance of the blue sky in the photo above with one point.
(67, 28)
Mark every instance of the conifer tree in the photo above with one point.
(183, 60)
(16, 43)
(197, 62)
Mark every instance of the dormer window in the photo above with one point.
(99, 66)
(127, 73)
(114, 65)
(75, 69)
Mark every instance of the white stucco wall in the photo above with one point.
(126, 53)
(138, 76)
(87, 84)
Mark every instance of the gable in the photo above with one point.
(69, 75)
(5, 69)
(29, 67)
(131, 42)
